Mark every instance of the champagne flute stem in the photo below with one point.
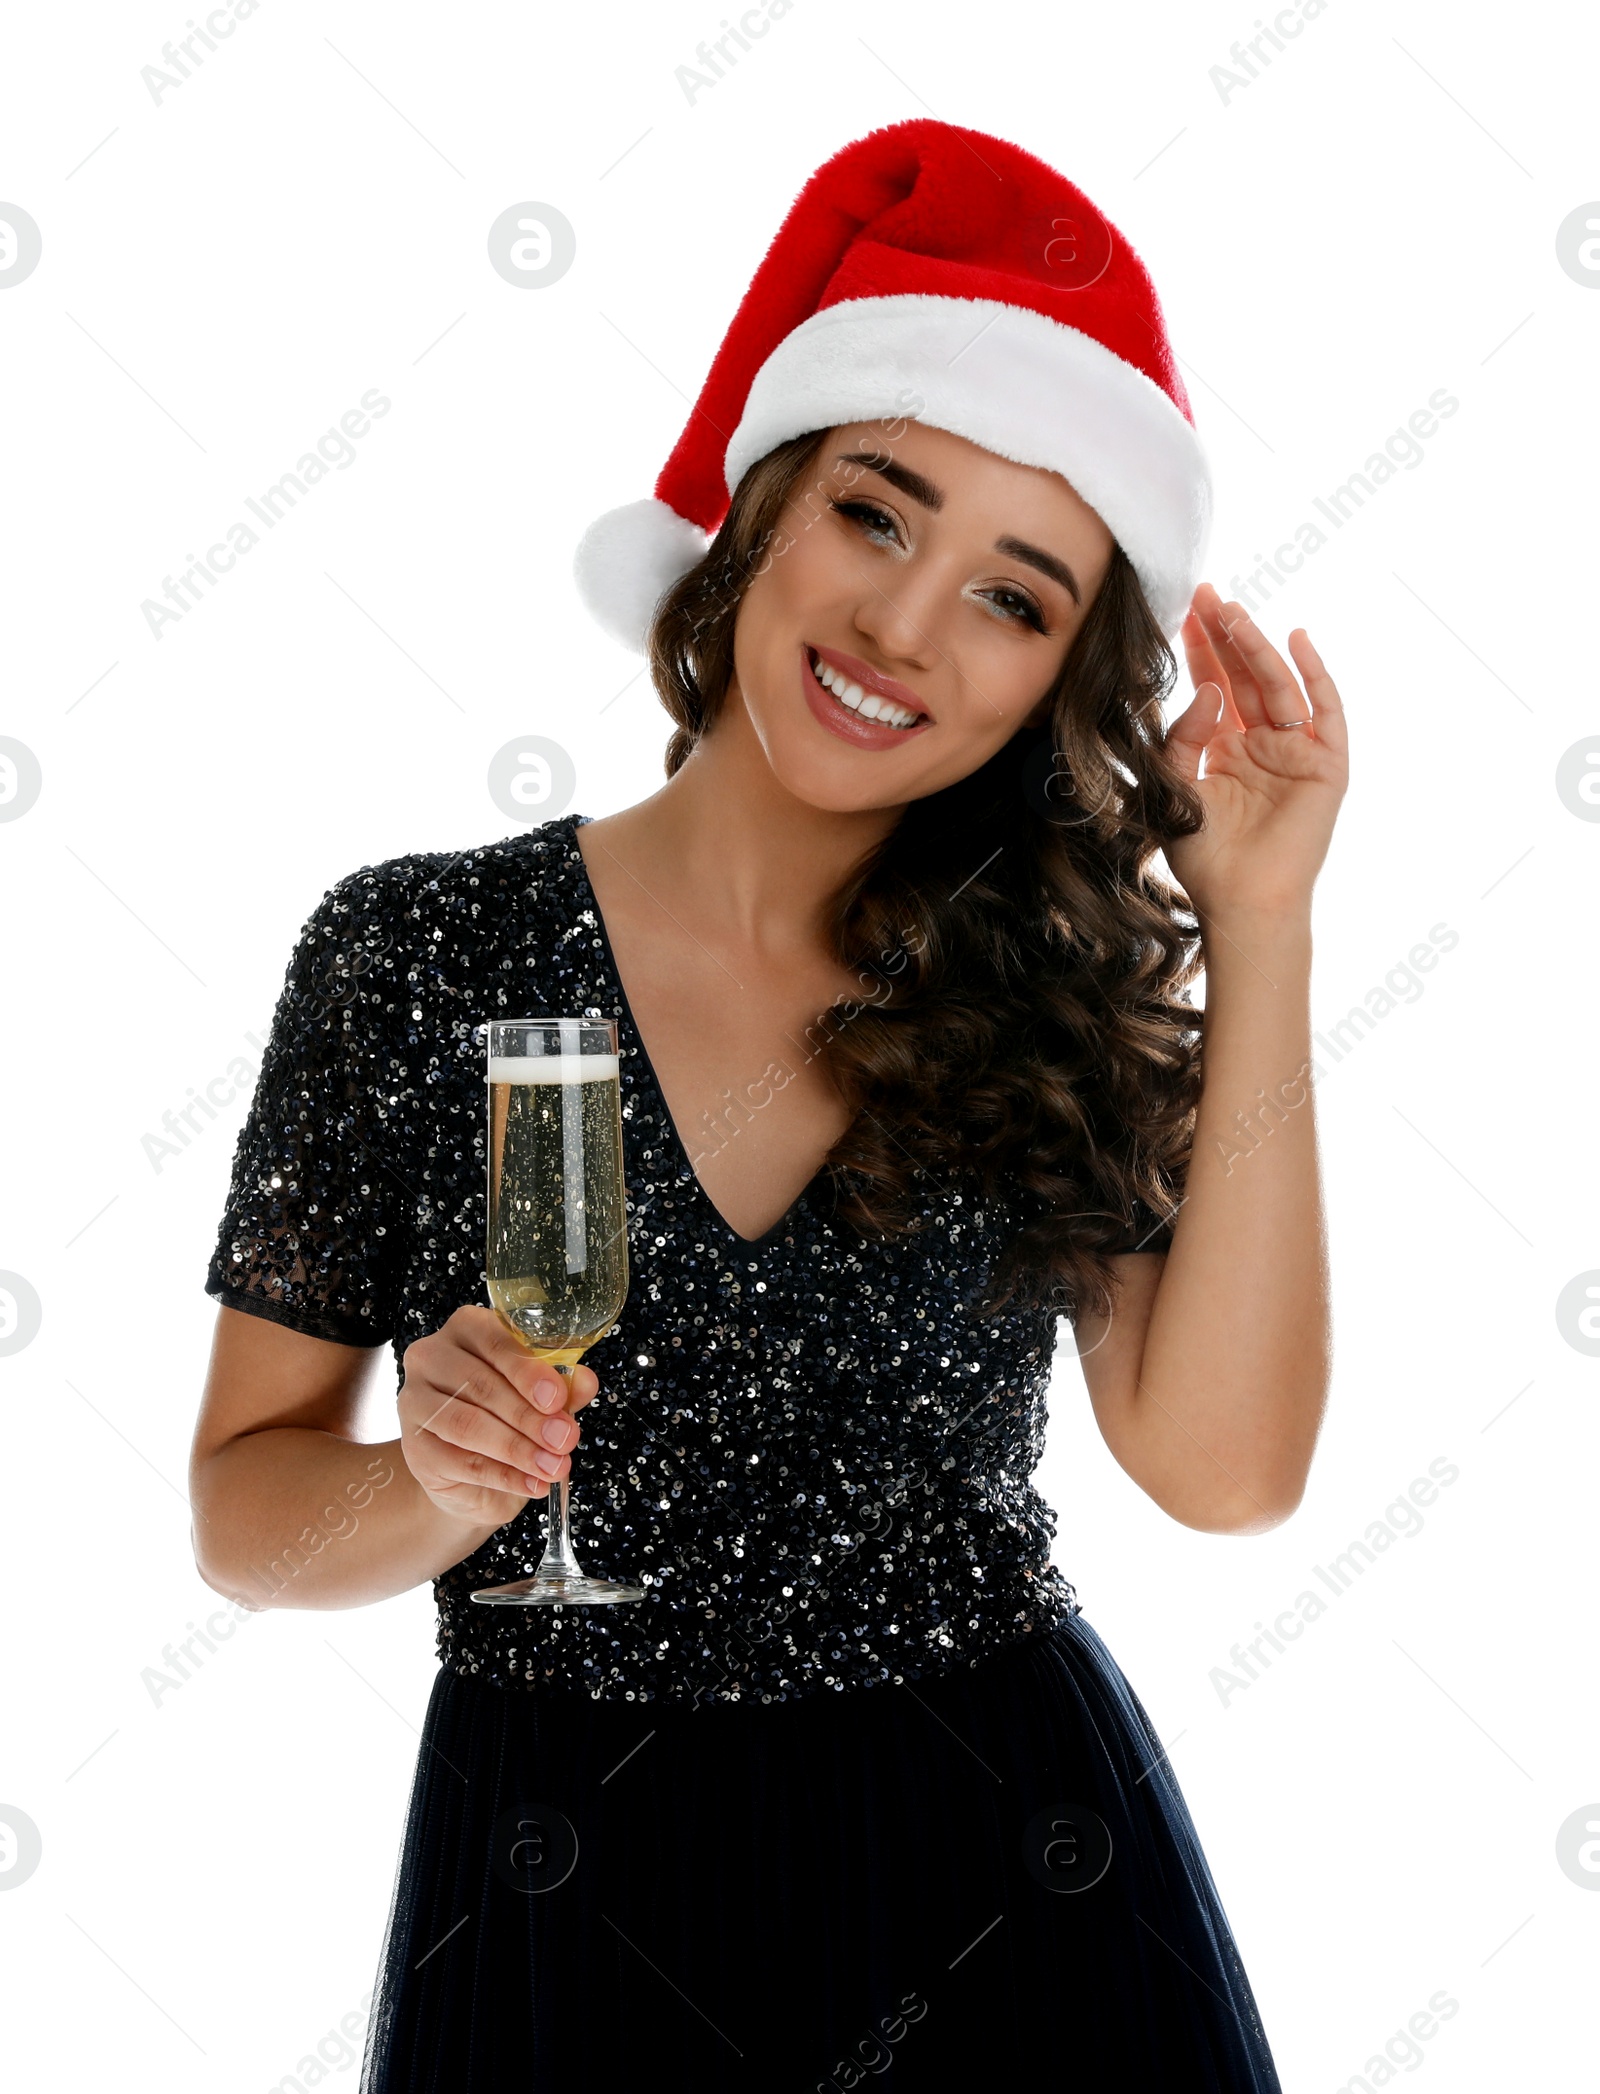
(559, 1561)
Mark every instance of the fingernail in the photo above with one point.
(533, 1482)
(549, 1464)
(553, 1432)
(550, 1395)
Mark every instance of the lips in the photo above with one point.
(858, 703)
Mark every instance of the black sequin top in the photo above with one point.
(808, 1448)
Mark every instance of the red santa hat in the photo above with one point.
(939, 274)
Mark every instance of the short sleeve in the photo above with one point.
(310, 1237)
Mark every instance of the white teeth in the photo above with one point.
(851, 694)
(843, 689)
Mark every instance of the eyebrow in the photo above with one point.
(923, 490)
(1047, 563)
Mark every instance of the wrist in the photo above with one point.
(442, 1535)
(1251, 927)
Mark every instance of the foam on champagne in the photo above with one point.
(552, 1068)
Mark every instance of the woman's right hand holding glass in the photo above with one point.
(484, 1425)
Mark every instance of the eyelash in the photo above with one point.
(858, 512)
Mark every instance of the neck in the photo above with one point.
(723, 841)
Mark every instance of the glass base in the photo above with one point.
(555, 1589)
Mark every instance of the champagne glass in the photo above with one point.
(558, 1240)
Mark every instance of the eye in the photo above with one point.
(1018, 607)
(1015, 606)
(873, 522)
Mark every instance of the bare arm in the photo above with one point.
(1209, 1380)
(292, 1509)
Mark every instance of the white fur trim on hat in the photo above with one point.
(1016, 383)
(626, 562)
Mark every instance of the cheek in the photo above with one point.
(809, 572)
(795, 594)
(1002, 681)
(757, 638)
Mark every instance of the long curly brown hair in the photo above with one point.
(1027, 1030)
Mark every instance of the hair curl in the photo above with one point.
(1039, 1044)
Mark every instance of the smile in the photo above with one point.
(850, 707)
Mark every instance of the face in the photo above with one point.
(919, 578)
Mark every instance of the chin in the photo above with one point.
(833, 785)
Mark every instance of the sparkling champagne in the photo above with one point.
(556, 1257)
(557, 1263)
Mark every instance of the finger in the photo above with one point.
(585, 1386)
(1222, 624)
(471, 1474)
(1193, 728)
(1281, 696)
(439, 1391)
(467, 1501)
(537, 1381)
(1247, 702)
(461, 1423)
(458, 1376)
(459, 1468)
(1327, 707)
(1205, 663)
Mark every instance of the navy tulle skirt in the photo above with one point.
(988, 1873)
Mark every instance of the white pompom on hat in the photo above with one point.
(628, 559)
(937, 274)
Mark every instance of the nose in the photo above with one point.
(898, 621)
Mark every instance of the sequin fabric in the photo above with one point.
(809, 1449)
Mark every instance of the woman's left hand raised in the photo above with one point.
(1270, 790)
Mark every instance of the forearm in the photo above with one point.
(294, 1517)
(1234, 1366)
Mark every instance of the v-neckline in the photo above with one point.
(573, 823)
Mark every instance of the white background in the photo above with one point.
(224, 273)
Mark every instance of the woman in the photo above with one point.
(908, 1070)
